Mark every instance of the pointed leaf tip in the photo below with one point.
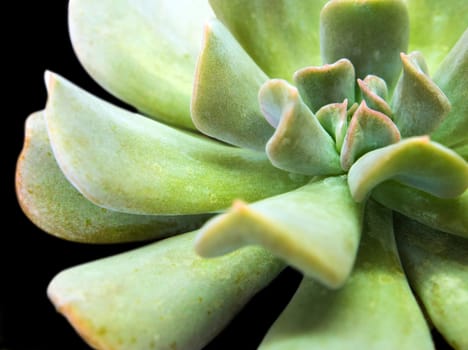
(365, 313)
(324, 250)
(48, 79)
(224, 102)
(374, 92)
(368, 130)
(53, 204)
(126, 162)
(161, 296)
(419, 105)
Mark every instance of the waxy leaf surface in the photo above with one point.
(322, 85)
(281, 37)
(452, 78)
(315, 229)
(444, 214)
(374, 91)
(415, 161)
(54, 205)
(437, 266)
(162, 296)
(142, 51)
(126, 162)
(224, 102)
(357, 30)
(375, 309)
(334, 119)
(418, 104)
(300, 144)
(368, 130)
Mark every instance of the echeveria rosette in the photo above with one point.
(334, 159)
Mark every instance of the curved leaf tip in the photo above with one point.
(301, 227)
(230, 113)
(415, 161)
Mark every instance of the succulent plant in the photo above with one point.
(302, 133)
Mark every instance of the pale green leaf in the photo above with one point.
(300, 144)
(334, 119)
(315, 229)
(371, 34)
(376, 85)
(142, 51)
(54, 205)
(368, 130)
(437, 266)
(452, 78)
(418, 104)
(224, 103)
(126, 162)
(375, 309)
(374, 91)
(280, 36)
(161, 296)
(322, 85)
(415, 161)
(445, 214)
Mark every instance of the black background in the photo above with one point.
(36, 40)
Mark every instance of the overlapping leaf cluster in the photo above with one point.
(315, 166)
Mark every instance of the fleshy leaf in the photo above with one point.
(437, 266)
(374, 92)
(417, 59)
(334, 119)
(126, 162)
(415, 161)
(301, 227)
(352, 110)
(418, 105)
(445, 214)
(436, 26)
(161, 296)
(142, 51)
(452, 78)
(326, 84)
(367, 131)
(299, 144)
(224, 103)
(375, 309)
(357, 29)
(54, 205)
(281, 37)
(274, 97)
(376, 86)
